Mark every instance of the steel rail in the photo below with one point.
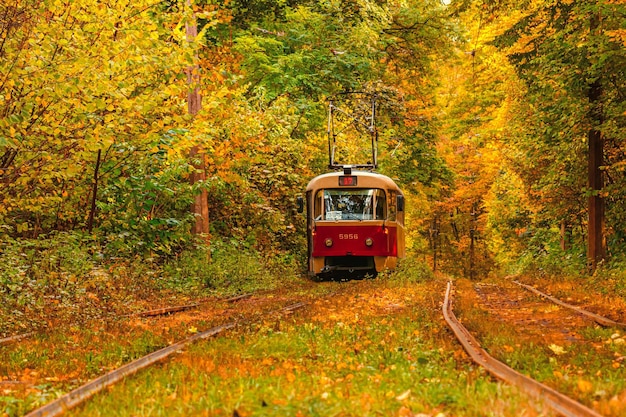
(163, 311)
(552, 398)
(601, 320)
(16, 338)
(176, 309)
(84, 392)
(149, 313)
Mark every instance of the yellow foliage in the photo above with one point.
(558, 350)
(584, 386)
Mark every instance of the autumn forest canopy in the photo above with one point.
(503, 121)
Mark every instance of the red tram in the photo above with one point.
(355, 217)
(355, 223)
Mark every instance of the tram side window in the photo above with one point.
(392, 206)
(350, 204)
(318, 205)
(381, 206)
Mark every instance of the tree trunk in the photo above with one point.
(434, 236)
(94, 192)
(472, 233)
(200, 206)
(596, 248)
(565, 235)
(596, 243)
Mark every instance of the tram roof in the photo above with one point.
(365, 179)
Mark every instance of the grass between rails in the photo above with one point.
(377, 347)
(585, 362)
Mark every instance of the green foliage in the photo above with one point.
(544, 255)
(610, 278)
(562, 50)
(410, 270)
(257, 220)
(53, 260)
(187, 272)
(145, 207)
(312, 53)
(35, 273)
(79, 80)
(65, 277)
(247, 13)
(237, 268)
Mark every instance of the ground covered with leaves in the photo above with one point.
(361, 347)
(365, 347)
(550, 343)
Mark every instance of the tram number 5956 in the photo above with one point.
(348, 236)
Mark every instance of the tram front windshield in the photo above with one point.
(350, 204)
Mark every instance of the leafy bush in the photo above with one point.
(35, 273)
(410, 269)
(544, 255)
(144, 209)
(235, 267)
(610, 278)
(188, 271)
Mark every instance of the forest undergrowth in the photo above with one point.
(66, 279)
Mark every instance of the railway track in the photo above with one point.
(557, 401)
(16, 338)
(148, 313)
(256, 309)
(88, 390)
(601, 320)
(547, 395)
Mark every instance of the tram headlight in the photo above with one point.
(328, 242)
(369, 241)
